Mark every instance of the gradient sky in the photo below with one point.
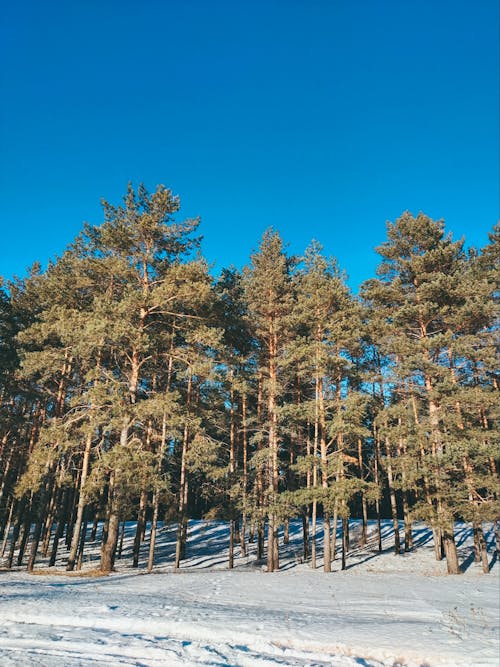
(323, 119)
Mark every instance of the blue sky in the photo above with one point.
(321, 118)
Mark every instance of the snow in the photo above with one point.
(383, 611)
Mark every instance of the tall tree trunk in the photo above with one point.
(445, 525)
(321, 421)
(5, 478)
(81, 504)
(156, 492)
(232, 470)
(141, 522)
(154, 528)
(479, 541)
(22, 533)
(81, 545)
(95, 525)
(307, 546)
(392, 496)
(407, 520)
(7, 527)
(109, 548)
(260, 539)
(61, 522)
(230, 555)
(436, 530)
(364, 508)
(180, 544)
(480, 547)
(405, 496)
(286, 531)
(259, 500)
(121, 540)
(42, 504)
(376, 464)
(314, 511)
(110, 533)
(272, 529)
(54, 508)
(333, 541)
(20, 521)
(345, 541)
(305, 536)
(244, 444)
(450, 550)
(140, 533)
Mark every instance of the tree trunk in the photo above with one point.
(260, 539)
(345, 542)
(327, 557)
(5, 477)
(314, 512)
(152, 539)
(110, 534)
(305, 536)
(405, 495)
(392, 496)
(243, 544)
(95, 523)
(327, 565)
(407, 520)
(141, 522)
(333, 541)
(364, 509)
(23, 542)
(35, 541)
(313, 534)
(286, 531)
(53, 510)
(231, 544)
(81, 505)
(497, 536)
(120, 544)
(270, 542)
(376, 461)
(7, 528)
(156, 494)
(482, 551)
(39, 525)
(451, 551)
(272, 529)
(180, 544)
(442, 543)
(109, 547)
(232, 471)
(61, 522)
(81, 545)
(20, 520)
(244, 444)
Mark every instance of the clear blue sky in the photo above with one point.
(321, 118)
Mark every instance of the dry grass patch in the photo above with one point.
(65, 573)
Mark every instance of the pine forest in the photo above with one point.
(135, 385)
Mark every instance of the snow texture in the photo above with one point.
(382, 611)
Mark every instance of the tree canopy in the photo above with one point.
(136, 385)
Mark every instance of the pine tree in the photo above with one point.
(422, 297)
(234, 359)
(269, 297)
(326, 321)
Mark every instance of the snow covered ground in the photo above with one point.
(383, 611)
